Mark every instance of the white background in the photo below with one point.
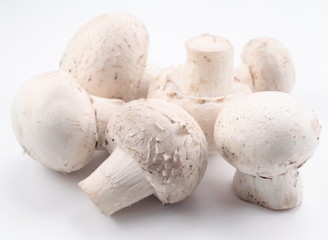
(36, 203)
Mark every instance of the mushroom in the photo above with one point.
(266, 66)
(267, 137)
(204, 84)
(57, 123)
(159, 149)
(108, 56)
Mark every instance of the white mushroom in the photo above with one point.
(204, 84)
(159, 149)
(266, 66)
(267, 136)
(108, 56)
(57, 123)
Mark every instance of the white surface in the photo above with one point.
(36, 203)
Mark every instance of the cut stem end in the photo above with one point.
(208, 71)
(117, 183)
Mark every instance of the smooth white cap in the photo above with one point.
(54, 121)
(267, 133)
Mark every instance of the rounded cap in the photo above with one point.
(108, 55)
(54, 121)
(166, 141)
(266, 133)
(269, 64)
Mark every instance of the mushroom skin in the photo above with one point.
(266, 66)
(103, 109)
(108, 56)
(150, 74)
(267, 137)
(55, 121)
(204, 85)
(159, 149)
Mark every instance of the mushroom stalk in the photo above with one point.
(277, 192)
(208, 71)
(117, 183)
(103, 109)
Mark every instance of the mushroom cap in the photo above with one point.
(167, 142)
(108, 56)
(266, 133)
(203, 109)
(270, 65)
(54, 121)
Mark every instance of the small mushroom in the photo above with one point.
(266, 66)
(159, 149)
(204, 84)
(57, 123)
(108, 56)
(267, 137)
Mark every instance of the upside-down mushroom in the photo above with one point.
(204, 84)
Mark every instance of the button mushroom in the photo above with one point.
(57, 123)
(108, 56)
(204, 84)
(266, 66)
(159, 149)
(267, 137)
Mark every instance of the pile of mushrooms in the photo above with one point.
(97, 100)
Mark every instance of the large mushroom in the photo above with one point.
(267, 137)
(204, 84)
(159, 149)
(57, 123)
(108, 57)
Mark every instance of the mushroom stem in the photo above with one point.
(103, 109)
(208, 71)
(278, 192)
(117, 183)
